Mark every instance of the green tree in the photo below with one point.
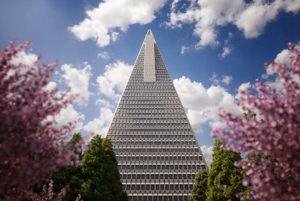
(93, 172)
(224, 178)
(100, 173)
(200, 186)
(98, 179)
(111, 174)
(69, 176)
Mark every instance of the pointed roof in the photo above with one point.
(149, 57)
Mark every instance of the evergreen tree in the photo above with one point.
(93, 172)
(224, 179)
(97, 179)
(111, 174)
(200, 186)
(69, 176)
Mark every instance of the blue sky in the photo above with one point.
(211, 48)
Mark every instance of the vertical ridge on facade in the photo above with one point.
(149, 58)
(157, 152)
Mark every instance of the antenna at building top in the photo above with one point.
(149, 32)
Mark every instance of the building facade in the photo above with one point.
(157, 152)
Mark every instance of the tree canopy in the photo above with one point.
(270, 138)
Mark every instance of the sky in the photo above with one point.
(212, 49)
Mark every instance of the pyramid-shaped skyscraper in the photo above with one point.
(157, 152)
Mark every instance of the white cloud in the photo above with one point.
(113, 81)
(103, 23)
(214, 79)
(183, 49)
(101, 124)
(51, 85)
(78, 81)
(227, 79)
(256, 15)
(103, 102)
(24, 58)
(104, 55)
(114, 36)
(282, 58)
(208, 15)
(243, 87)
(203, 104)
(67, 115)
(207, 152)
(226, 51)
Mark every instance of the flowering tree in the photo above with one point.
(269, 135)
(31, 147)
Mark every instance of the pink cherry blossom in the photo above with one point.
(268, 135)
(31, 146)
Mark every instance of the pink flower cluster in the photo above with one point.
(268, 135)
(31, 146)
(48, 194)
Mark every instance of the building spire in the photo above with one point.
(149, 57)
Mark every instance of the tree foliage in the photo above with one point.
(70, 176)
(271, 138)
(97, 179)
(30, 145)
(200, 186)
(224, 179)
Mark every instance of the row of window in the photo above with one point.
(158, 187)
(159, 94)
(151, 106)
(159, 158)
(158, 198)
(146, 137)
(143, 125)
(147, 87)
(161, 167)
(156, 150)
(158, 104)
(154, 143)
(180, 133)
(150, 114)
(158, 176)
(150, 98)
(157, 119)
(150, 109)
(149, 102)
(141, 80)
(149, 91)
